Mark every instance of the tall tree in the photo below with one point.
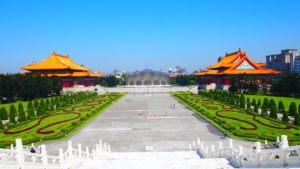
(273, 109)
(253, 102)
(292, 109)
(285, 117)
(3, 114)
(281, 107)
(30, 113)
(21, 114)
(12, 114)
(1, 125)
(297, 119)
(242, 101)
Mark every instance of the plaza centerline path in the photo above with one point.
(140, 120)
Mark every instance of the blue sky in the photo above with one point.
(108, 35)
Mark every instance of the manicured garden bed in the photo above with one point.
(61, 124)
(237, 122)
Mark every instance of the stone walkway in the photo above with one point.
(140, 120)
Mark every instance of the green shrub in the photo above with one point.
(281, 107)
(12, 114)
(63, 130)
(74, 123)
(82, 119)
(231, 127)
(1, 125)
(292, 109)
(10, 124)
(3, 114)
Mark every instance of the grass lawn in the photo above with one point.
(286, 100)
(61, 124)
(237, 122)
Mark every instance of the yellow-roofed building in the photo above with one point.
(218, 76)
(73, 75)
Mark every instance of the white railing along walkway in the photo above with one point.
(284, 156)
(20, 156)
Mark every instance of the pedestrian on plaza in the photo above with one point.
(32, 150)
(225, 134)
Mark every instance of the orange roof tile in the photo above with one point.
(56, 61)
(75, 74)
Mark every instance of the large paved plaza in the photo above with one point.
(140, 120)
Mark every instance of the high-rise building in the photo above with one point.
(287, 61)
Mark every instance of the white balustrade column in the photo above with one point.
(44, 155)
(100, 145)
(258, 147)
(198, 143)
(240, 150)
(220, 148)
(104, 147)
(283, 145)
(257, 150)
(70, 149)
(230, 143)
(79, 151)
(61, 156)
(20, 153)
(194, 145)
(108, 148)
(94, 154)
(277, 139)
(87, 152)
(190, 147)
(212, 148)
(97, 148)
(284, 142)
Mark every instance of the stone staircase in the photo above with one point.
(154, 160)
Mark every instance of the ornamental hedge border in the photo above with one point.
(201, 105)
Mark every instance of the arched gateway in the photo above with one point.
(147, 77)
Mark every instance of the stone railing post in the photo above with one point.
(100, 145)
(79, 151)
(104, 147)
(108, 149)
(87, 152)
(61, 156)
(20, 153)
(240, 156)
(212, 151)
(283, 145)
(194, 145)
(220, 149)
(44, 156)
(70, 149)
(94, 154)
(257, 151)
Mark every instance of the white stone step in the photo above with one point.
(156, 155)
(155, 160)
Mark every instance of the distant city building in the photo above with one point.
(177, 69)
(232, 64)
(178, 74)
(118, 73)
(147, 77)
(287, 61)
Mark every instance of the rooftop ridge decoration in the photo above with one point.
(237, 63)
